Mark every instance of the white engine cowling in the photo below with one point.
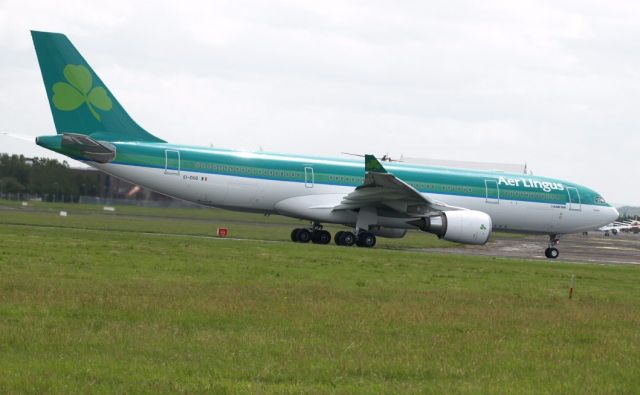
(391, 233)
(461, 226)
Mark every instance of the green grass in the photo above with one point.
(188, 221)
(103, 309)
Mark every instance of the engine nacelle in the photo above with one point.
(461, 226)
(391, 233)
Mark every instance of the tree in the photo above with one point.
(45, 177)
(11, 185)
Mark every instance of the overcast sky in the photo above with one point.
(551, 83)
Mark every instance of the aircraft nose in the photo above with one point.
(614, 214)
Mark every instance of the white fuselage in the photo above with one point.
(260, 195)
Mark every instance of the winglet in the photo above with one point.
(372, 164)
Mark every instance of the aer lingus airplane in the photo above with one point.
(370, 199)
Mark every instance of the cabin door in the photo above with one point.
(574, 199)
(492, 192)
(171, 162)
(308, 177)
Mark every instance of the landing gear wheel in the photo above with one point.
(321, 237)
(366, 239)
(338, 238)
(303, 236)
(551, 253)
(294, 235)
(348, 239)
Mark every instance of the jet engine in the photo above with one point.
(461, 226)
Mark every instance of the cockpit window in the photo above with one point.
(600, 200)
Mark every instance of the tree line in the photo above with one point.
(45, 178)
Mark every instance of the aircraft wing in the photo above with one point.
(383, 189)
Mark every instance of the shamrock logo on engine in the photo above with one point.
(78, 90)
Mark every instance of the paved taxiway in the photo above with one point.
(595, 248)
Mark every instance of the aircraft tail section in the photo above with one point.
(80, 102)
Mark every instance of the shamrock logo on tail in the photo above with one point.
(68, 96)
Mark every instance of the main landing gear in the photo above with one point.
(317, 235)
(314, 235)
(345, 238)
(552, 252)
(364, 239)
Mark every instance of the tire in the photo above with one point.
(303, 236)
(348, 239)
(339, 238)
(323, 237)
(366, 239)
(294, 235)
(553, 253)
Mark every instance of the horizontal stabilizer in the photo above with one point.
(79, 146)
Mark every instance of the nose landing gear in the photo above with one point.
(552, 252)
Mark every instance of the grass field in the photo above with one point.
(90, 305)
(183, 221)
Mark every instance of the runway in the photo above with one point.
(594, 248)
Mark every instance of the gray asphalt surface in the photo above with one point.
(594, 248)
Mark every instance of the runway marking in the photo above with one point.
(616, 248)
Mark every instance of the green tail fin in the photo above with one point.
(80, 102)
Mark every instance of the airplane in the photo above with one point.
(613, 228)
(634, 226)
(370, 199)
(383, 158)
(620, 226)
